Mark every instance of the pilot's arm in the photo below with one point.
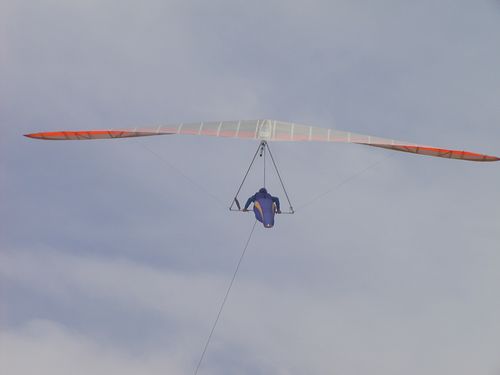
(276, 201)
(249, 201)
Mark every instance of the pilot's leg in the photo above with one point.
(268, 216)
(258, 212)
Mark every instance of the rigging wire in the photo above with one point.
(343, 182)
(186, 177)
(207, 343)
(302, 206)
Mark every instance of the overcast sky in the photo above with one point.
(115, 255)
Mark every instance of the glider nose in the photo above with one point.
(268, 225)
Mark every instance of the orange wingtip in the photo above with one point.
(438, 152)
(83, 135)
(32, 135)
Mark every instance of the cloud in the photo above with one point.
(112, 261)
(46, 346)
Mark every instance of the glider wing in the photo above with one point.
(268, 130)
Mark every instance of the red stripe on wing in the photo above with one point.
(90, 134)
(438, 152)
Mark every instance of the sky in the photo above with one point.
(115, 255)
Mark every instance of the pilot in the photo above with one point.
(265, 206)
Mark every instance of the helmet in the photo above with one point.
(263, 191)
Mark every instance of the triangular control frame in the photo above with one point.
(261, 151)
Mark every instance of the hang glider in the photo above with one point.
(265, 130)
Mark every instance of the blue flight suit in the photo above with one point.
(264, 206)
